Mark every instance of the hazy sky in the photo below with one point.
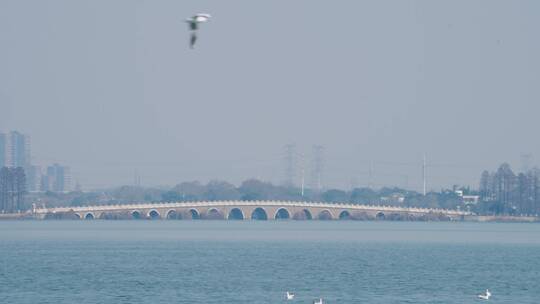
(111, 87)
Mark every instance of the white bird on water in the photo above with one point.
(485, 296)
(290, 295)
(319, 301)
(193, 23)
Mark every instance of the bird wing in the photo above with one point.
(202, 18)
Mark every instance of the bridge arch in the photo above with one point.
(236, 214)
(282, 214)
(345, 215)
(325, 215)
(136, 215)
(255, 210)
(259, 214)
(303, 215)
(214, 214)
(194, 214)
(154, 215)
(172, 214)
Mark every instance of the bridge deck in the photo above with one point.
(284, 204)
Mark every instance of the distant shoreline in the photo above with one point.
(471, 218)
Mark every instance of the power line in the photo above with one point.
(370, 175)
(424, 174)
(317, 164)
(290, 164)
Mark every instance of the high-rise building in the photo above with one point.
(33, 178)
(57, 179)
(14, 149)
(15, 152)
(3, 149)
(18, 150)
(317, 163)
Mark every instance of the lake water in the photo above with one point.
(256, 262)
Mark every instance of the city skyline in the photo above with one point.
(15, 152)
(298, 169)
(14, 149)
(118, 91)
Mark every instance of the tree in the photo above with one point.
(505, 183)
(335, 195)
(535, 190)
(364, 196)
(253, 189)
(522, 192)
(4, 189)
(448, 199)
(19, 183)
(485, 185)
(171, 196)
(504, 192)
(12, 189)
(220, 190)
(190, 191)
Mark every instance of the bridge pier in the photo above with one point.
(249, 210)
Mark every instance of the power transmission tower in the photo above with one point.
(317, 167)
(424, 174)
(353, 183)
(136, 179)
(370, 181)
(290, 164)
(303, 171)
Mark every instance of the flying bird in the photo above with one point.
(193, 23)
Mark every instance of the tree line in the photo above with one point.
(253, 189)
(502, 192)
(505, 192)
(12, 189)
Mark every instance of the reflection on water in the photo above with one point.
(320, 231)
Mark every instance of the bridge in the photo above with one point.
(248, 210)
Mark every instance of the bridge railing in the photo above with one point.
(195, 204)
